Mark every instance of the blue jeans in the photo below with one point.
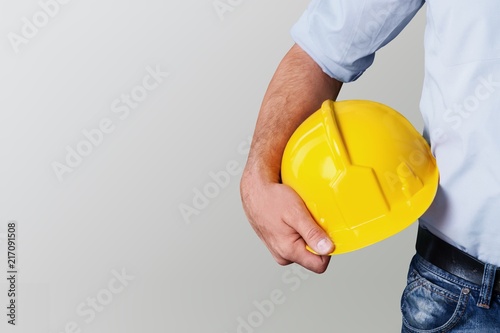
(437, 301)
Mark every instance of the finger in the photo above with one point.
(280, 260)
(309, 230)
(312, 262)
(273, 248)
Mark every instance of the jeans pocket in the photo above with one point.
(429, 308)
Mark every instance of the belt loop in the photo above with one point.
(487, 286)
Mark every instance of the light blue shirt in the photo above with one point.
(460, 101)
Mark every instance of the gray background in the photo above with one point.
(119, 209)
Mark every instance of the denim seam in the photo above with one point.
(424, 283)
(451, 323)
(463, 283)
(486, 287)
(436, 288)
(464, 302)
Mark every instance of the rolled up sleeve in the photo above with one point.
(342, 36)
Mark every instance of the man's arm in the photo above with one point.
(275, 211)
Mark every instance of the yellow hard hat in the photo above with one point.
(363, 171)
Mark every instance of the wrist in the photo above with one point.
(259, 173)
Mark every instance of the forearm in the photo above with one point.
(275, 211)
(297, 89)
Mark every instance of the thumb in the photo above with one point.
(315, 237)
(318, 241)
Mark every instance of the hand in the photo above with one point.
(276, 212)
(281, 219)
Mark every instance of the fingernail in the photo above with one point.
(324, 246)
